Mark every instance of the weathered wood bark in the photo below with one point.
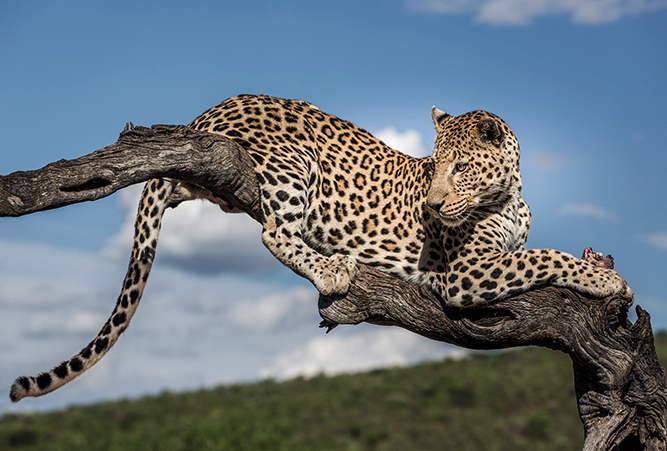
(140, 154)
(619, 383)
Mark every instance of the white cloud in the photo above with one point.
(274, 311)
(443, 6)
(544, 160)
(522, 12)
(658, 240)
(410, 142)
(83, 322)
(38, 276)
(197, 236)
(374, 348)
(585, 210)
(189, 331)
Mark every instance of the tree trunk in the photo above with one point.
(619, 383)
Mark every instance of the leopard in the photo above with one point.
(333, 195)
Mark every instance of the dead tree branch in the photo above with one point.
(619, 383)
(140, 154)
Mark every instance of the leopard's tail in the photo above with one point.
(154, 201)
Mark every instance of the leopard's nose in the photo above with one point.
(435, 206)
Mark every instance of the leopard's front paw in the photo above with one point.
(337, 275)
(620, 286)
(607, 282)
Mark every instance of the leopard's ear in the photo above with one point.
(490, 131)
(439, 117)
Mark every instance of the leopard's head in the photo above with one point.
(475, 163)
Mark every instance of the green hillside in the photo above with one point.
(519, 400)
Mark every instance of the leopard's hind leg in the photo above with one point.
(154, 200)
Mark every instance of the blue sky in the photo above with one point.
(582, 85)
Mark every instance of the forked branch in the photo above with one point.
(619, 383)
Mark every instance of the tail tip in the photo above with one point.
(19, 389)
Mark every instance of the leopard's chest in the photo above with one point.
(508, 229)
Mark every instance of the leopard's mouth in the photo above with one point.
(453, 218)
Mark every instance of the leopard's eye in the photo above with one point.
(431, 167)
(460, 167)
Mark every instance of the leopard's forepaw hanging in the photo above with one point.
(338, 275)
(615, 285)
(623, 287)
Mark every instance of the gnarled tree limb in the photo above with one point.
(140, 154)
(619, 383)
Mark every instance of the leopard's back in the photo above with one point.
(353, 194)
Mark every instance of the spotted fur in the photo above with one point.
(146, 229)
(333, 195)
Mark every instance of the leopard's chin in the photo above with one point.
(452, 221)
